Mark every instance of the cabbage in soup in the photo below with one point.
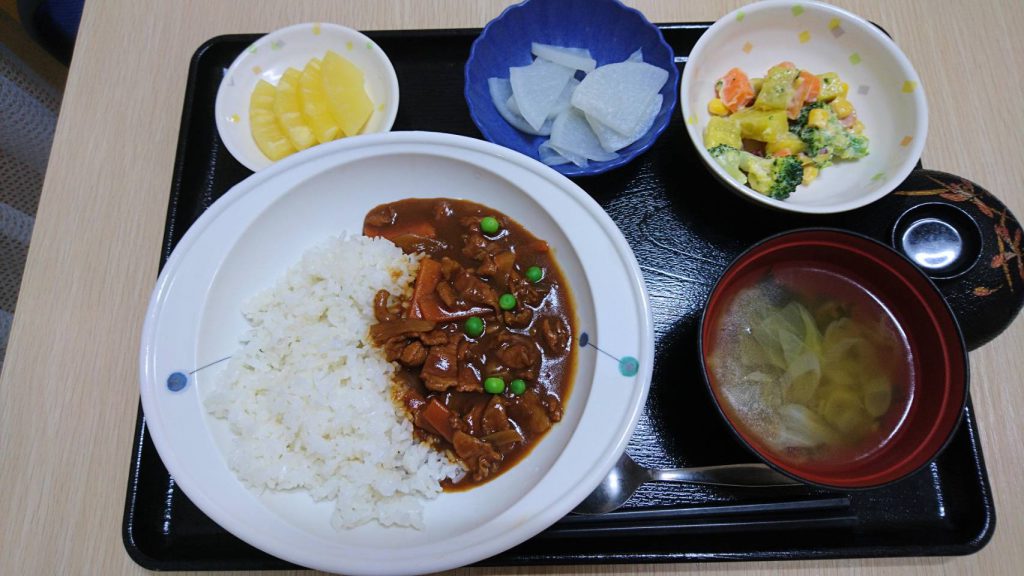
(811, 366)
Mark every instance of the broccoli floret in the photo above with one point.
(729, 158)
(821, 142)
(774, 177)
(800, 123)
(857, 147)
(787, 174)
(832, 141)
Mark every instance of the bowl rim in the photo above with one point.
(962, 350)
(593, 168)
(390, 112)
(350, 149)
(894, 177)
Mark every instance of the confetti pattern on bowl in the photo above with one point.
(610, 30)
(884, 89)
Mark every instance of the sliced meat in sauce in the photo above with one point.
(555, 334)
(516, 355)
(472, 289)
(495, 417)
(521, 317)
(441, 367)
(440, 381)
(479, 456)
(528, 411)
(413, 354)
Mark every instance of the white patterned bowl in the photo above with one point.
(268, 58)
(884, 89)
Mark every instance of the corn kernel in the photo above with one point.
(818, 118)
(717, 107)
(842, 107)
(844, 89)
(858, 127)
(810, 173)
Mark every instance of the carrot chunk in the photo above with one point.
(436, 415)
(811, 85)
(735, 90)
(807, 87)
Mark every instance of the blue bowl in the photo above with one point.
(610, 30)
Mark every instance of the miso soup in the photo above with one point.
(811, 366)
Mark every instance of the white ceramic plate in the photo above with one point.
(250, 236)
(294, 46)
(884, 89)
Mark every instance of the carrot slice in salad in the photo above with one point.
(807, 88)
(812, 83)
(735, 90)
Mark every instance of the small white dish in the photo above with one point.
(251, 235)
(268, 58)
(884, 88)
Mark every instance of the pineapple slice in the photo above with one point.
(314, 103)
(289, 111)
(265, 129)
(346, 94)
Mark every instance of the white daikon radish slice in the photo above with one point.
(561, 105)
(550, 156)
(575, 58)
(637, 56)
(612, 141)
(513, 107)
(571, 133)
(501, 90)
(576, 159)
(617, 95)
(537, 88)
(564, 100)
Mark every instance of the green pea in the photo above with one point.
(494, 385)
(507, 302)
(517, 387)
(534, 274)
(473, 327)
(489, 225)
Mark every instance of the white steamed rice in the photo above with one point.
(308, 397)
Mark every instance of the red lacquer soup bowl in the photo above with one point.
(834, 359)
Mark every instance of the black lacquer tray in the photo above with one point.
(684, 228)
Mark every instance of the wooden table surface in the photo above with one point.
(69, 389)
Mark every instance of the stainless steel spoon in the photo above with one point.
(627, 476)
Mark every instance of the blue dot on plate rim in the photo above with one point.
(584, 339)
(177, 381)
(629, 366)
